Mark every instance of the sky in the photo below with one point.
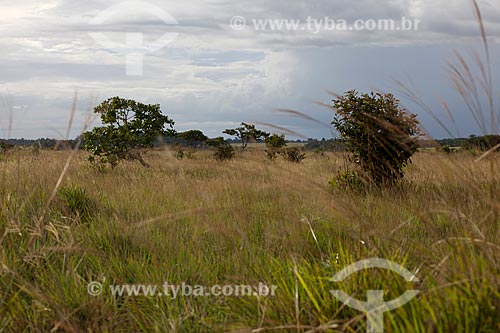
(209, 72)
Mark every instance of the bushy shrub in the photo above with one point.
(224, 153)
(5, 147)
(347, 180)
(274, 144)
(380, 134)
(293, 154)
(223, 150)
(446, 149)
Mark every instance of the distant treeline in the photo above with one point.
(471, 143)
(43, 143)
(324, 145)
(309, 144)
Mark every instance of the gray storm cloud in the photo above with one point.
(213, 76)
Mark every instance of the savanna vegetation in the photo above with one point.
(249, 220)
(199, 211)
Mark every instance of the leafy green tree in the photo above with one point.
(275, 141)
(247, 133)
(216, 142)
(379, 133)
(194, 138)
(274, 144)
(128, 126)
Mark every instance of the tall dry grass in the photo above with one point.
(206, 222)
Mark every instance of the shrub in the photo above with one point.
(223, 150)
(5, 147)
(446, 150)
(274, 144)
(293, 154)
(276, 141)
(271, 154)
(347, 180)
(380, 134)
(224, 153)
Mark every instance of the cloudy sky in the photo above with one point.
(211, 76)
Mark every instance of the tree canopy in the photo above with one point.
(247, 133)
(194, 138)
(127, 127)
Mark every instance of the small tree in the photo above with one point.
(127, 127)
(274, 144)
(379, 133)
(194, 138)
(247, 133)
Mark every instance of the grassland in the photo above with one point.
(246, 221)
